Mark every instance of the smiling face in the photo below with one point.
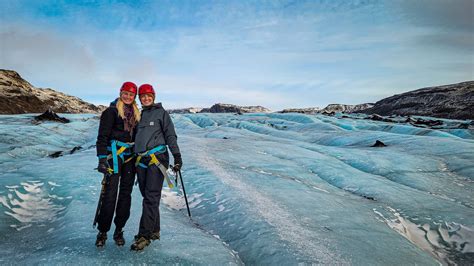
(147, 99)
(127, 97)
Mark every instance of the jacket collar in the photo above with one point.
(153, 106)
(114, 103)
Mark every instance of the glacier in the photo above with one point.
(270, 188)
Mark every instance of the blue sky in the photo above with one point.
(278, 54)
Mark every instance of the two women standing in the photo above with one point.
(152, 133)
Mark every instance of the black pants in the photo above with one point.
(121, 184)
(150, 181)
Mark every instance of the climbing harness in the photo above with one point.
(118, 150)
(154, 161)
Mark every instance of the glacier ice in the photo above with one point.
(263, 189)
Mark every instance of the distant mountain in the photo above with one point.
(331, 108)
(189, 110)
(455, 101)
(231, 108)
(345, 108)
(18, 96)
(309, 110)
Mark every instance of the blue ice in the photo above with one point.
(263, 189)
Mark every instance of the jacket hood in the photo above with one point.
(114, 103)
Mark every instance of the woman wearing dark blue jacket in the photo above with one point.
(155, 134)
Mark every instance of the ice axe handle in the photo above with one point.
(105, 181)
(184, 192)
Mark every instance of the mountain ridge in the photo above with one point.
(18, 96)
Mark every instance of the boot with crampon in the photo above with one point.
(118, 237)
(101, 238)
(140, 243)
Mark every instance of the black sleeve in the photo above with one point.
(107, 120)
(170, 134)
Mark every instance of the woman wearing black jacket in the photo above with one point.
(115, 152)
(155, 134)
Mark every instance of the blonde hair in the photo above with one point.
(121, 111)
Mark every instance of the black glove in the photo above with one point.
(103, 166)
(178, 162)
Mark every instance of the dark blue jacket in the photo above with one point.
(155, 128)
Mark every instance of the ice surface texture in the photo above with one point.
(275, 189)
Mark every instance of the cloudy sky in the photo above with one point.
(278, 54)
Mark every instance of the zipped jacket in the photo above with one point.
(112, 127)
(155, 128)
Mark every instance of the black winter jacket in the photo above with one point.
(112, 128)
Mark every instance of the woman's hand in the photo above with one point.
(178, 162)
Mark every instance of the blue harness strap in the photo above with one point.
(158, 149)
(114, 156)
(142, 165)
(119, 153)
(155, 161)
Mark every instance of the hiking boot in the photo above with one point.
(155, 236)
(118, 238)
(101, 237)
(140, 243)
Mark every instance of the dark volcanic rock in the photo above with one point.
(455, 101)
(51, 116)
(378, 143)
(61, 153)
(369, 197)
(377, 117)
(77, 148)
(427, 123)
(328, 113)
(56, 154)
(18, 96)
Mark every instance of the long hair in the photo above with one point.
(120, 107)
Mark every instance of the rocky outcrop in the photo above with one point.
(230, 108)
(455, 101)
(190, 110)
(378, 143)
(345, 108)
(51, 116)
(18, 96)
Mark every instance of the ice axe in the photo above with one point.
(105, 181)
(178, 175)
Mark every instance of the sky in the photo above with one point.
(277, 54)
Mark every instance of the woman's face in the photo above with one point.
(147, 99)
(127, 97)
